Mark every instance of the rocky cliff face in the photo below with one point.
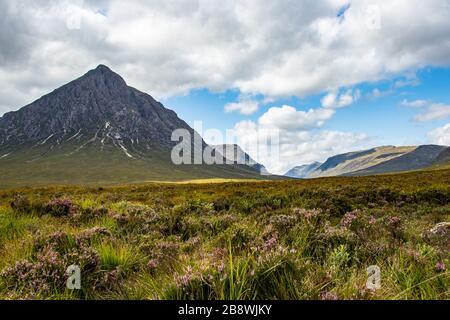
(98, 108)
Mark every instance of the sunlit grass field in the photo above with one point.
(230, 239)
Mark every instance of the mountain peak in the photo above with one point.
(103, 67)
(104, 70)
(99, 107)
(103, 78)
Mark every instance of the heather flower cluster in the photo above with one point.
(37, 278)
(348, 219)
(48, 270)
(87, 214)
(329, 296)
(270, 244)
(440, 267)
(45, 272)
(308, 215)
(20, 203)
(283, 222)
(136, 219)
(87, 236)
(394, 225)
(394, 222)
(183, 280)
(60, 207)
(162, 254)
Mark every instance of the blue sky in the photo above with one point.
(383, 118)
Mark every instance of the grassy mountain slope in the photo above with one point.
(357, 161)
(421, 157)
(444, 157)
(106, 167)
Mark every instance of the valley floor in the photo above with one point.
(230, 240)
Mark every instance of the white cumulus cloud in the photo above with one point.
(440, 135)
(435, 111)
(297, 139)
(246, 106)
(289, 118)
(276, 49)
(415, 103)
(335, 100)
(430, 111)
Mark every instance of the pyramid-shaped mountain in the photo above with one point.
(97, 129)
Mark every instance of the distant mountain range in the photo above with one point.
(97, 129)
(234, 153)
(303, 171)
(387, 159)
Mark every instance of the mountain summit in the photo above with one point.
(96, 128)
(98, 108)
